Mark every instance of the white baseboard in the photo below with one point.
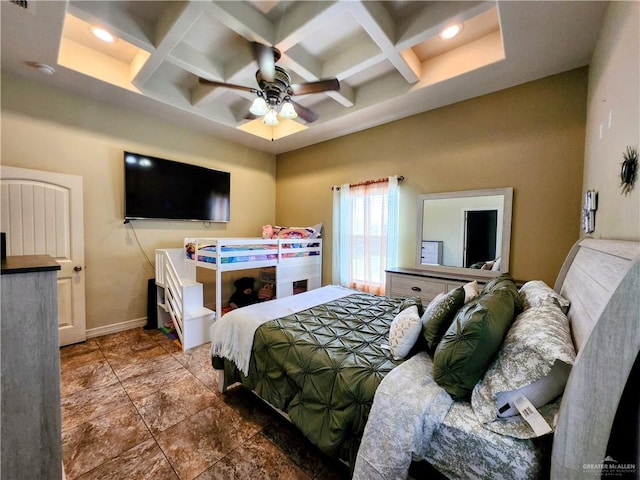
(116, 327)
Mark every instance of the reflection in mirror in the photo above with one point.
(465, 230)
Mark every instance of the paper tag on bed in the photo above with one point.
(532, 416)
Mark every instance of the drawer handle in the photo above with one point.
(416, 289)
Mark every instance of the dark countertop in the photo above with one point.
(28, 263)
(465, 275)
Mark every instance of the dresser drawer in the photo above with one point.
(401, 286)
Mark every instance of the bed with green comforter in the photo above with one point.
(322, 365)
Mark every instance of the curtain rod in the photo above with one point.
(369, 182)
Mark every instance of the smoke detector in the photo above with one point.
(44, 68)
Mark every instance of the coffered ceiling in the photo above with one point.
(387, 55)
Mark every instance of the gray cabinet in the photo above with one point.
(30, 406)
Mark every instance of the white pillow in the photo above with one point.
(404, 332)
(542, 391)
(471, 290)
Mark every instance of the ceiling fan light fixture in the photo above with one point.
(259, 107)
(271, 118)
(287, 110)
(450, 31)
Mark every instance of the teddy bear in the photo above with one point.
(244, 294)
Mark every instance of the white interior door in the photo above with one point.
(42, 214)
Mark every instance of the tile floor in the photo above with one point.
(135, 406)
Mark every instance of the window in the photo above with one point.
(365, 234)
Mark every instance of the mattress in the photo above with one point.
(322, 366)
(244, 253)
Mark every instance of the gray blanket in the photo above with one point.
(407, 408)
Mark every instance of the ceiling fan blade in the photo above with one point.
(315, 87)
(265, 58)
(213, 83)
(304, 113)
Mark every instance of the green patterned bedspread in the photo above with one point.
(322, 367)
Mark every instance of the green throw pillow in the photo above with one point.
(472, 341)
(505, 282)
(410, 302)
(439, 314)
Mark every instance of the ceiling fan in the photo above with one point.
(275, 88)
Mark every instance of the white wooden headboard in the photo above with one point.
(601, 278)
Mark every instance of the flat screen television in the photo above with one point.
(156, 188)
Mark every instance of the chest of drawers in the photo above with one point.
(409, 282)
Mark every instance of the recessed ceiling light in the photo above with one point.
(451, 31)
(102, 34)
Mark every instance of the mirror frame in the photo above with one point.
(506, 232)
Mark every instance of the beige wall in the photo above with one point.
(530, 137)
(51, 130)
(614, 88)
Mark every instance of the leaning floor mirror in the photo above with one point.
(467, 232)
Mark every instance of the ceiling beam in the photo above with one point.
(355, 57)
(170, 29)
(377, 22)
(302, 18)
(191, 60)
(244, 20)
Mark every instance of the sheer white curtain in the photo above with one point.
(365, 233)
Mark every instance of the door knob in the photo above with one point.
(77, 268)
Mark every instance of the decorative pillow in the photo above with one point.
(505, 282)
(471, 291)
(275, 231)
(534, 292)
(472, 341)
(439, 314)
(411, 302)
(404, 332)
(535, 361)
(268, 231)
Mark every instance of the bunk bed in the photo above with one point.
(294, 260)
(599, 284)
(180, 297)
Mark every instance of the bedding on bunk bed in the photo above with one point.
(328, 368)
(192, 250)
